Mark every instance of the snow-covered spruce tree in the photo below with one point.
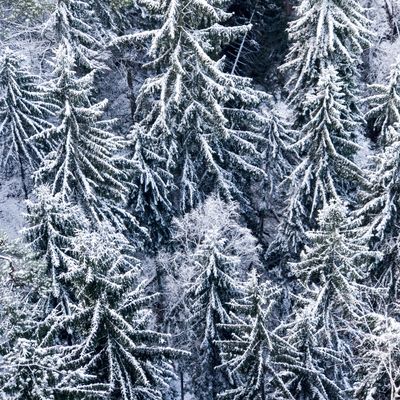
(307, 374)
(332, 271)
(378, 365)
(118, 355)
(23, 113)
(70, 22)
(52, 225)
(278, 160)
(25, 372)
(111, 16)
(212, 253)
(34, 358)
(377, 217)
(210, 295)
(326, 170)
(149, 200)
(385, 104)
(253, 353)
(82, 167)
(200, 118)
(326, 33)
(278, 154)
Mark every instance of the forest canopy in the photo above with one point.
(199, 199)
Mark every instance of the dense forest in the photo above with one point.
(200, 199)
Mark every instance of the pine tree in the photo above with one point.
(82, 167)
(69, 25)
(308, 376)
(377, 217)
(52, 225)
(378, 365)
(385, 104)
(326, 170)
(118, 355)
(20, 271)
(254, 352)
(149, 199)
(333, 271)
(210, 295)
(30, 374)
(199, 118)
(26, 373)
(278, 153)
(278, 159)
(33, 359)
(326, 33)
(23, 113)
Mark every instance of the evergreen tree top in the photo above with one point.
(326, 32)
(337, 262)
(114, 323)
(385, 103)
(24, 111)
(201, 117)
(83, 165)
(70, 23)
(253, 352)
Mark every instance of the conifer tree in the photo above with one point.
(26, 372)
(118, 355)
(254, 352)
(308, 376)
(212, 291)
(333, 271)
(378, 365)
(52, 224)
(82, 167)
(378, 216)
(326, 33)
(200, 118)
(23, 113)
(149, 199)
(279, 154)
(34, 359)
(278, 160)
(385, 104)
(326, 168)
(69, 24)
(20, 271)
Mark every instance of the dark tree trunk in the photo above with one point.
(182, 385)
(23, 176)
(131, 95)
(160, 304)
(263, 396)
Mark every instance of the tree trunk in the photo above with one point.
(23, 177)
(182, 385)
(160, 304)
(131, 96)
(263, 397)
(288, 8)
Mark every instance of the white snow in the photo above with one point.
(12, 208)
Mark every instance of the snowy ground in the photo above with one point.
(12, 208)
